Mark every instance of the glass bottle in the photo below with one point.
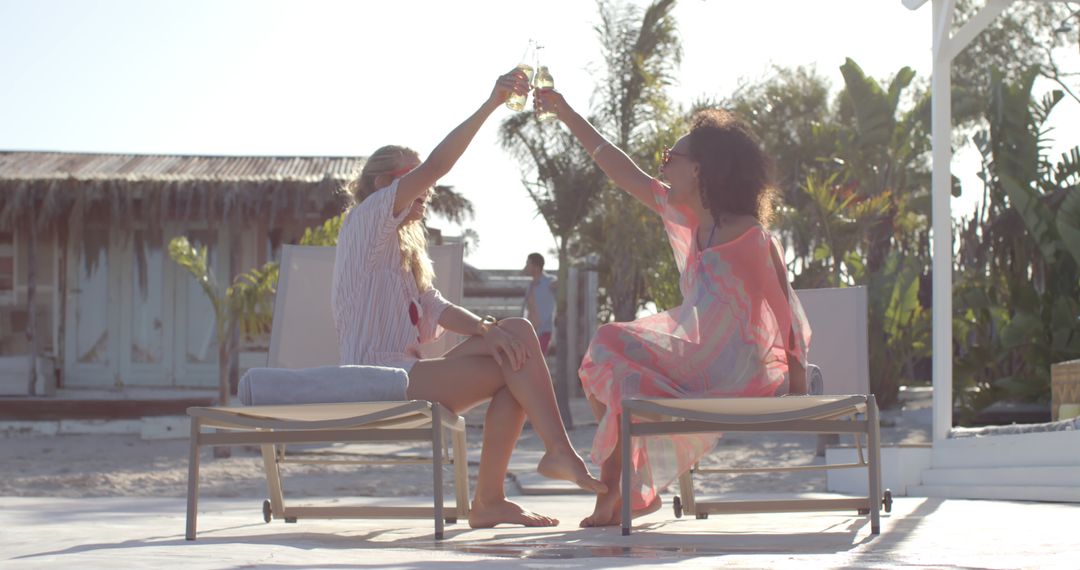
(544, 81)
(516, 102)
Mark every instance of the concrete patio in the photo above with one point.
(148, 532)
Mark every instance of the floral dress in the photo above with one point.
(732, 336)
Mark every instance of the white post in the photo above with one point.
(592, 286)
(946, 47)
(941, 129)
(573, 325)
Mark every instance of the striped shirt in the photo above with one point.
(380, 316)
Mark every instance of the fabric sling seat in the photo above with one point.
(839, 352)
(303, 336)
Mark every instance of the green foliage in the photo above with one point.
(1024, 37)
(324, 234)
(251, 299)
(642, 52)
(244, 306)
(1017, 283)
(248, 300)
(859, 214)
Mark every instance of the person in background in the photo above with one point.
(539, 305)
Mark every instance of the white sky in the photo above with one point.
(343, 78)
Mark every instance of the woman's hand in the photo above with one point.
(550, 100)
(513, 82)
(503, 345)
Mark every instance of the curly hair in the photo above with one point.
(735, 175)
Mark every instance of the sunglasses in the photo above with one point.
(668, 153)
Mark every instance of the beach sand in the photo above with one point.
(126, 466)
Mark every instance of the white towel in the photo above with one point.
(322, 385)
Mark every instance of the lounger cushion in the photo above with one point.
(322, 385)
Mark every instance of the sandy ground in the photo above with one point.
(126, 466)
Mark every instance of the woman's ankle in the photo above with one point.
(488, 499)
(563, 447)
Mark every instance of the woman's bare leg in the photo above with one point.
(490, 506)
(531, 386)
(468, 375)
(459, 383)
(608, 508)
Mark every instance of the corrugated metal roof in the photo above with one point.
(25, 165)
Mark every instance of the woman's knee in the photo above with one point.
(607, 332)
(518, 327)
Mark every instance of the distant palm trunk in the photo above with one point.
(31, 297)
(625, 291)
(561, 377)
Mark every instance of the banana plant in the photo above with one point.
(881, 146)
(1022, 251)
(244, 306)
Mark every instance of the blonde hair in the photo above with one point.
(412, 236)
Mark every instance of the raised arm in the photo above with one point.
(447, 153)
(611, 159)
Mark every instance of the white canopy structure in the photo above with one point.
(1035, 466)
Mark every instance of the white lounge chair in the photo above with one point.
(303, 336)
(845, 405)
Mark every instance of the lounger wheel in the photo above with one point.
(887, 501)
(268, 513)
(702, 516)
(676, 504)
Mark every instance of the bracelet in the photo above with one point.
(598, 148)
(486, 323)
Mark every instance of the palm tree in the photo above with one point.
(563, 182)
(641, 54)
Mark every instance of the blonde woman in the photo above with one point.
(385, 306)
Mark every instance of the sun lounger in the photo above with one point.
(303, 336)
(839, 348)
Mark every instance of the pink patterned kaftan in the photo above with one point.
(731, 336)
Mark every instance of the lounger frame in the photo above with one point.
(800, 414)
(840, 351)
(272, 427)
(310, 340)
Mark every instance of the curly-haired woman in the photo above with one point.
(740, 330)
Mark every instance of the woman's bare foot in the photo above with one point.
(608, 510)
(487, 515)
(568, 466)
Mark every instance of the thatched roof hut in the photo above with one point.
(84, 278)
(54, 185)
(77, 226)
